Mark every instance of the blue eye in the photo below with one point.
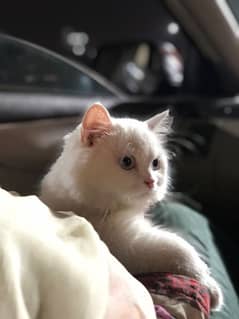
(127, 162)
(156, 164)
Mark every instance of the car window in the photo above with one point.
(234, 5)
(26, 67)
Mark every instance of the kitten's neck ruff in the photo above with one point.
(95, 204)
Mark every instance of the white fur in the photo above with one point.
(89, 181)
(83, 168)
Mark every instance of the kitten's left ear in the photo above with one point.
(160, 123)
(95, 123)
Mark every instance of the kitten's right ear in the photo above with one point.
(95, 123)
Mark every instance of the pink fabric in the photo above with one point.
(177, 287)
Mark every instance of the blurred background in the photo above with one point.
(138, 45)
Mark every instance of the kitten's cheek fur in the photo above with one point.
(160, 193)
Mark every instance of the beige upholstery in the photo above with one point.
(27, 149)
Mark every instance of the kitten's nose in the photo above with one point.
(149, 182)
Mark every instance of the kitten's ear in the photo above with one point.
(160, 123)
(95, 123)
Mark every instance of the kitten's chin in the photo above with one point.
(149, 197)
(142, 199)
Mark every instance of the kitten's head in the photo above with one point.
(121, 160)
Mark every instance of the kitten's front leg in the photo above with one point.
(144, 249)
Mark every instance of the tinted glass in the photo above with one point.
(25, 67)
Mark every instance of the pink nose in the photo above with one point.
(149, 182)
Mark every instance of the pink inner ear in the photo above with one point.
(95, 123)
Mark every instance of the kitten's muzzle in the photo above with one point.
(149, 182)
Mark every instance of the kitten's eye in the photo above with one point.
(156, 164)
(127, 162)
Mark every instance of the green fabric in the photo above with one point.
(195, 229)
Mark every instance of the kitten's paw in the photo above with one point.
(203, 275)
(215, 293)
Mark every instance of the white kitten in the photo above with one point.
(111, 171)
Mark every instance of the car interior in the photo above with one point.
(166, 54)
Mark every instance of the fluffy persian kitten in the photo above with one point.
(111, 171)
